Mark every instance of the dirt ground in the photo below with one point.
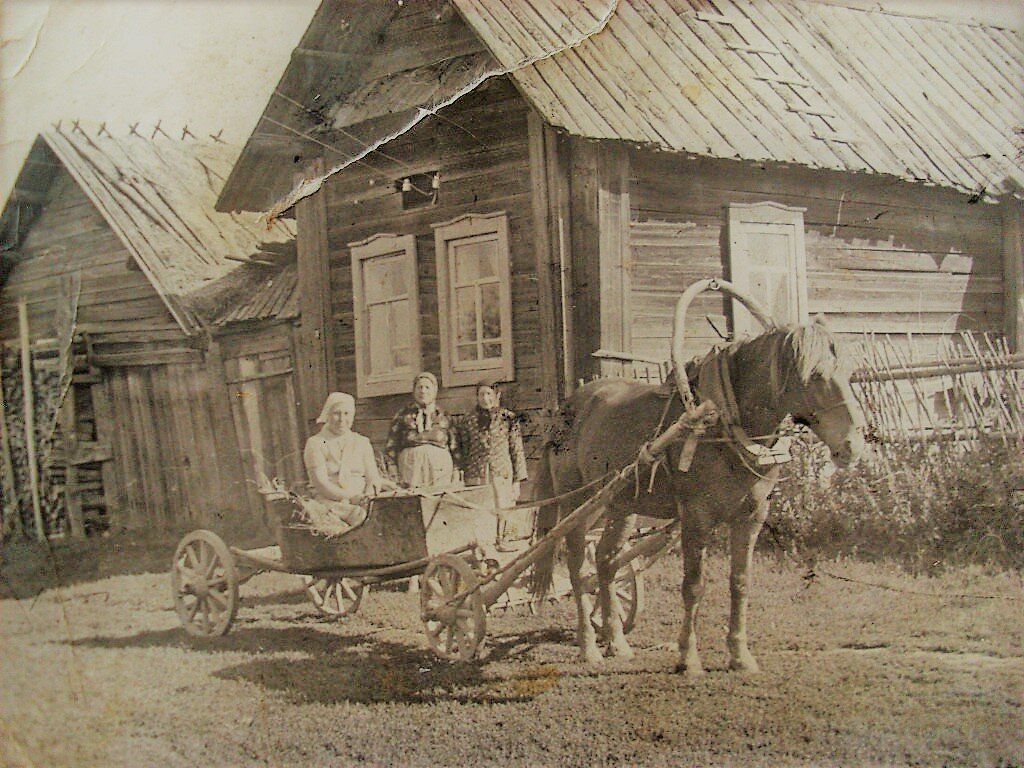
(100, 673)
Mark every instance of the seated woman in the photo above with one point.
(422, 438)
(340, 463)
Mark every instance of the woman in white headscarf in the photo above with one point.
(340, 463)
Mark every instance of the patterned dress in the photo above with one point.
(491, 451)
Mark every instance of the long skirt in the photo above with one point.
(424, 466)
(501, 488)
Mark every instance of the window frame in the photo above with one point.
(467, 227)
(397, 381)
(745, 219)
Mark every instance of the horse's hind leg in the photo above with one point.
(616, 532)
(586, 638)
(742, 538)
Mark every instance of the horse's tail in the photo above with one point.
(547, 517)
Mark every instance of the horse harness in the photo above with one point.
(714, 382)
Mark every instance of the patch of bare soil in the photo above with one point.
(99, 673)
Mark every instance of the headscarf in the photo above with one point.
(424, 415)
(332, 400)
(483, 415)
(425, 375)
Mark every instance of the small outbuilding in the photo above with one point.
(158, 334)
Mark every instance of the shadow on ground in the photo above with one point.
(363, 667)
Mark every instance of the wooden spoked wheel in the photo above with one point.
(455, 626)
(332, 596)
(205, 584)
(628, 587)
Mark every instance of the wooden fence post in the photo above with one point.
(30, 419)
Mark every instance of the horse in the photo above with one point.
(755, 384)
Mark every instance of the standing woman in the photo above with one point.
(491, 444)
(340, 463)
(421, 440)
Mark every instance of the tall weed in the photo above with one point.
(924, 505)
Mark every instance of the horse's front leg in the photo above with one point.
(694, 549)
(742, 538)
(586, 637)
(614, 537)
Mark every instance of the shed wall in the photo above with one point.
(116, 300)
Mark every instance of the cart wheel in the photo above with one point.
(205, 584)
(628, 586)
(455, 630)
(333, 596)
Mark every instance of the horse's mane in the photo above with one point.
(804, 350)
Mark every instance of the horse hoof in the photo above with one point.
(745, 666)
(621, 651)
(591, 656)
(689, 672)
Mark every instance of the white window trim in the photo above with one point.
(397, 382)
(467, 226)
(742, 218)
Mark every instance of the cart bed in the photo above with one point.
(392, 534)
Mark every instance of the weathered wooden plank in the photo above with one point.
(72, 493)
(583, 190)
(113, 479)
(145, 357)
(192, 466)
(236, 495)
(1013, 274)
(613, 247)
(544, 258)
(836, 256)
(315, 300)
(171, 456)
(275, 339)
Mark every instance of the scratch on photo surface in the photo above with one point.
(309, 186)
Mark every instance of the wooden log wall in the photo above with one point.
(882, 255)
(480, 148)
(118, 307)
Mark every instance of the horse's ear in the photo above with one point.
(819, 319)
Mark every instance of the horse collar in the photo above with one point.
(715, 384)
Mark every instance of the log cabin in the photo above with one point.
(498, 189)
(159, 334)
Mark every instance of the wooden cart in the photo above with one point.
(436, 537)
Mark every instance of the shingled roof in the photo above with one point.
(927, 100)
(824, 86)
(158, 197)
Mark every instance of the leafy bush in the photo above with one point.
(925, 505)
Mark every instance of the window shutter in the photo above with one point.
(767, 262)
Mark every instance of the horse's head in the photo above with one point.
(813, 385)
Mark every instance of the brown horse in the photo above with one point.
(784, 371)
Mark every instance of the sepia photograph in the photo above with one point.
(514, 383)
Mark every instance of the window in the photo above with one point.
(387, 314)
(475, 299)
(767, 261)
